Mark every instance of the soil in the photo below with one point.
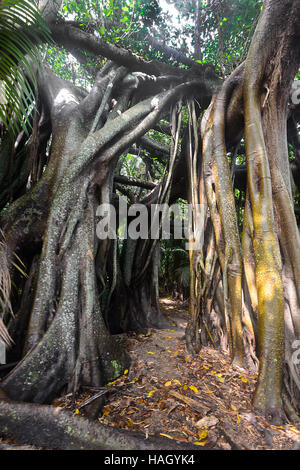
(202, 400)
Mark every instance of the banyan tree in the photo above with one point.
(65, 291)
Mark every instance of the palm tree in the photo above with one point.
(22, 30)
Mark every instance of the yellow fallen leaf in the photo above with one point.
(213, 372)
(168, 383)
(195, 389)
(166, 435)
(170, 337)
(150, 352)
(177, 382)
(244, 380)
(77, 411)
(197, 443)
(202, 435)
(125, 371)
(185, 387)
(151, 393)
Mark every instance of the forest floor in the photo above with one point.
(202, 400)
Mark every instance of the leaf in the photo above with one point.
(198, 443)
(202, 435)
(207, 421)
(168, 383)
(125, 371)
(177, 382)
(150, 352)
(244, 380)
(166, 435)
(194, 389)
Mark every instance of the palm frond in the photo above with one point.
(22, 30)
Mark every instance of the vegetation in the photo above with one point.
(202, 110)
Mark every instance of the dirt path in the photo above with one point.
(204, 401)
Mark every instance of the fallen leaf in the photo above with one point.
(177, 382)
(202, 435)
(244, 380)
(194, 389)
(166, 435)
(106, 411)
(207, 421)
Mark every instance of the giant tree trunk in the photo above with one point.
(256, 298)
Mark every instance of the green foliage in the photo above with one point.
(22, 29)
(175, 268)
(226, 28)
